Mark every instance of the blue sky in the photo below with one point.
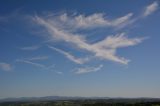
(79, 48)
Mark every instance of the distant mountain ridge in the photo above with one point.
(46, 98)
(55, 98)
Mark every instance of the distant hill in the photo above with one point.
(55, 98)
(46, 98)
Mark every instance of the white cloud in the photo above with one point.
(100, 20)
(104, 49)
(32, 59)
(5, 66)
(151, 8)
(83, 21)
(30, 48)
(88, 69)
(38, 58)
(50, 67)
(123, 21)
(38, 65)
(31, 63)
(69, 56)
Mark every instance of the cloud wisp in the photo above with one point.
(150, 9)
(31, 63)
(85, 70)
(104, 49)
(30, 48)
(69, 56)
(5, 66)
(38, 58)
(95, 20)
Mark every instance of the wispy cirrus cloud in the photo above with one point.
(31, 63)
(34, 61)
(5, 66)
(151, 9)
(69, 56)
(37, 58)
(30, 48)
(65, 28)
(40, 66)
(72, 22)
(105, 49)
(85, 70)
(50, 67)
(92, 21)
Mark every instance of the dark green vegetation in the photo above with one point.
(87, 102)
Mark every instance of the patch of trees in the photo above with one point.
(79, 103)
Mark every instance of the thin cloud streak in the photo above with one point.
(88, 69)
(31, 63)
(38, 58)
(30, 48)
(69, 56)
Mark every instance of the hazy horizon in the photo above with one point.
(79, 48)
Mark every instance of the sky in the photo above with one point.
(103, 48)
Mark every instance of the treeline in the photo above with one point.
(124, 104)
(77, 103)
